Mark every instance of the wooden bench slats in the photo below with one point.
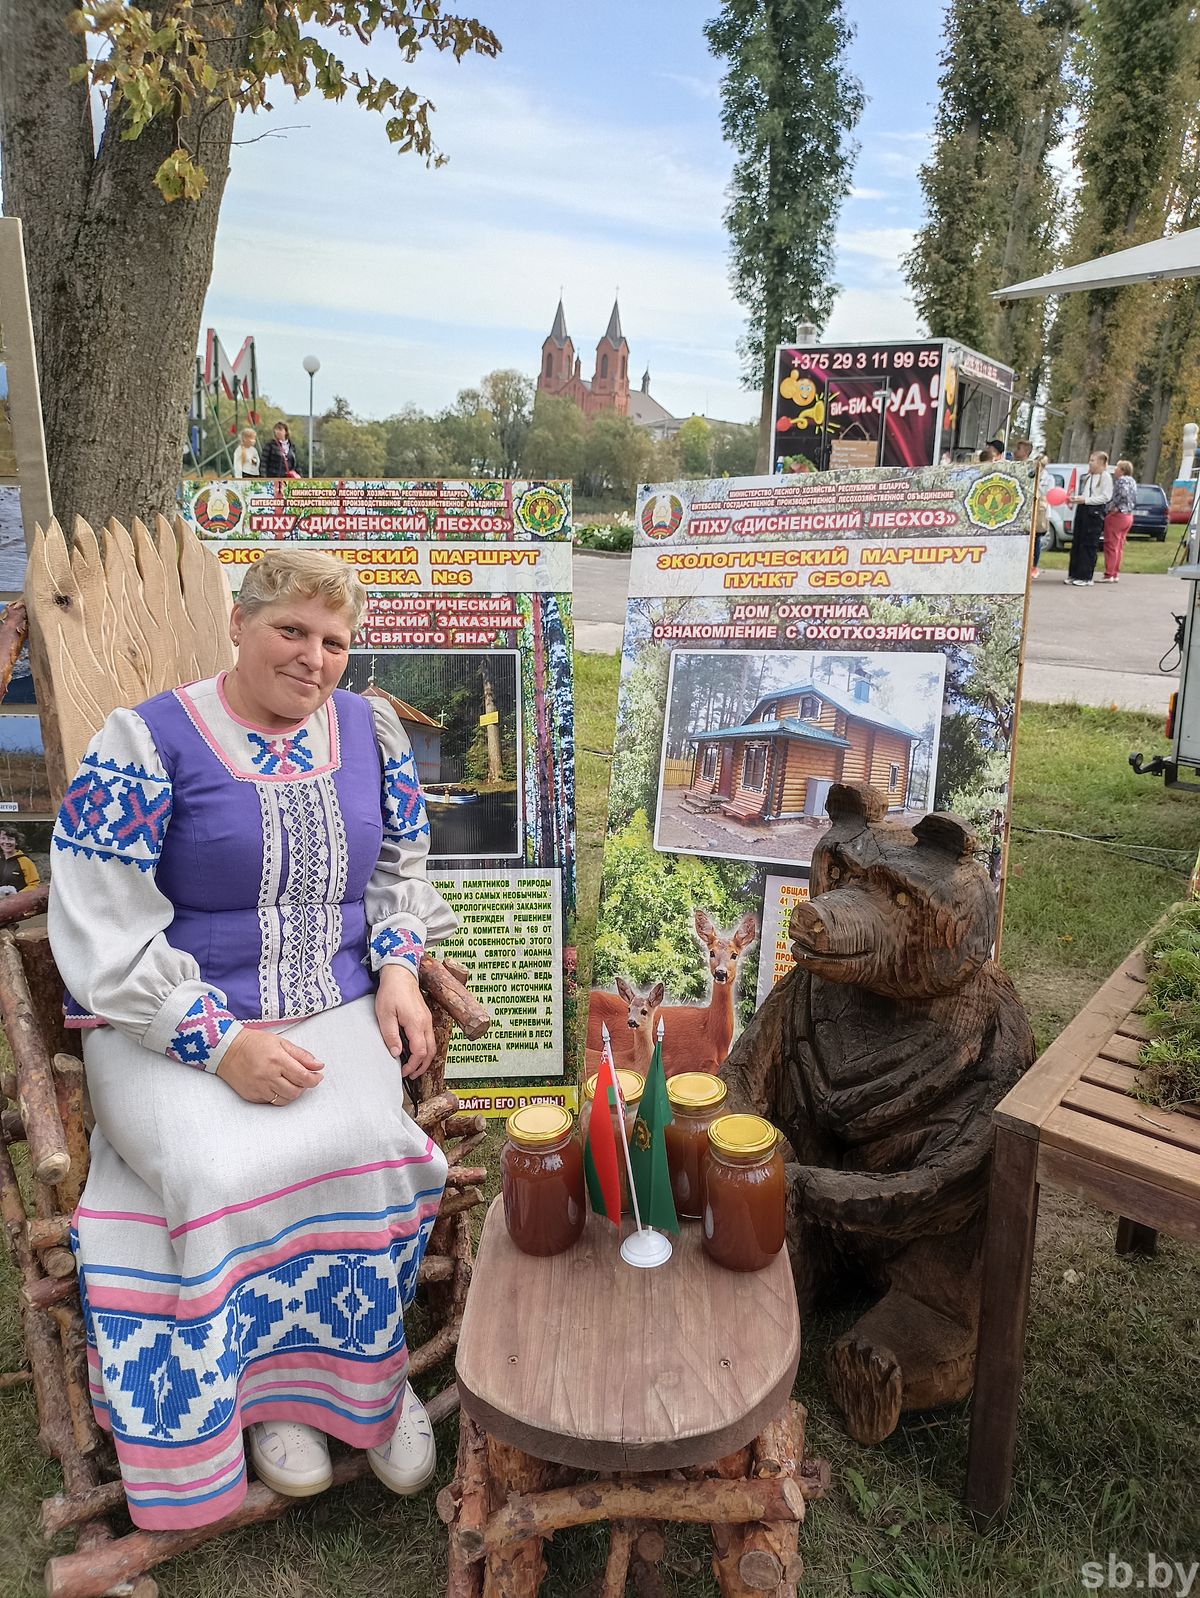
(1125, 1050)
(1040, 1091)
(1134, 1026)
(1142, 1154)
(1123, 1078)
(1115, 1106)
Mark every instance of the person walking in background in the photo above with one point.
(279, 458)
(1118, 520)
(245, 456)
(1087, 526)
(17, 870)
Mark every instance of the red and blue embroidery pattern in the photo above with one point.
(115, 812)
(281, 757)
(404, 818)
(201, 1030)
(397, 943)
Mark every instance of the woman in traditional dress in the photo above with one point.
(239, 907)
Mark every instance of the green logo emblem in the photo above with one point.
(993, 501)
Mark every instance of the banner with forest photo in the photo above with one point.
(784, 634)
(468, 633)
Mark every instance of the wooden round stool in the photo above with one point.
(593, 1391)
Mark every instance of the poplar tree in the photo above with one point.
(990, 194)
(1138, 61)
(788, 108)
(116, 129)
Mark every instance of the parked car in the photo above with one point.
(1152, 513)
(1068, 475)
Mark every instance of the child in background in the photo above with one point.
(17, 870)
(245, 456)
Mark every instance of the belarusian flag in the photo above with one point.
(600, 1154)
(648, 1149)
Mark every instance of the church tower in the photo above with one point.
(610, 381)
(558, 357)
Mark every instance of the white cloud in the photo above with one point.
(702, 88)
(876, 243)
(867, 194)
(875, 313)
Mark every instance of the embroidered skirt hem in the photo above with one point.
(243, 1262)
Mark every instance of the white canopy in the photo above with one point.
(1177, 256)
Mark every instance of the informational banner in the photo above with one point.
(784, 634)
(468, 633)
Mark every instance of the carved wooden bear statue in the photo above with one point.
(881, 1057)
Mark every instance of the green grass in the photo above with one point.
(1140, 555)
(1107, 1454)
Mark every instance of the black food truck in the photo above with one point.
(919, 402)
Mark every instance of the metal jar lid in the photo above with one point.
(742, 1134)
(535, 1125)
(696, 1090)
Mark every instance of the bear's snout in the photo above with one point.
(808, 927)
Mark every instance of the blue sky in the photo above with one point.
(589, 156)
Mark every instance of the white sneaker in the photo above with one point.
(291, 1458)
(408, 1460)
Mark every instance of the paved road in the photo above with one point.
(1088, 646)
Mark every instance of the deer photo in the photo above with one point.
(697, 1037)
(631, 1018)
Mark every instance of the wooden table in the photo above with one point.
(1071, 1123)
(582, 1363)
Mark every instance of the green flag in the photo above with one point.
(648, 1149)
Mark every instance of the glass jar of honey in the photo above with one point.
(541, 1177)
(696, 1101)
(633, 1085)
(743, 1193)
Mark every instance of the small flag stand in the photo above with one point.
(644, 1248)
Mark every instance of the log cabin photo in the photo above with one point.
(756, 740)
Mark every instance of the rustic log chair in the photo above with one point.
(111, 622)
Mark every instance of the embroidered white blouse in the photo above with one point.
(209, 874)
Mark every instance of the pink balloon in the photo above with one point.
(1057, 496)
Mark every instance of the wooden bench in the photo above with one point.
(1071, 1123)
(673, 1384)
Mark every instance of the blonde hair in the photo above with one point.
(248, 432)
(1101, 455)
(288, 572)
(1125, 468)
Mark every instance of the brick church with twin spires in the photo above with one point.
(608, 388)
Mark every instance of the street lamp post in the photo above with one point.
(312, 366)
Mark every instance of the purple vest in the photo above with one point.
(267, 877)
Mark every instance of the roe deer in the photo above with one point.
(631, 1018)
(696, 1036)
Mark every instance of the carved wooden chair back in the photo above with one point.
(112, 620)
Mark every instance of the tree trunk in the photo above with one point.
(117, 277)
(764, 461)
(495, 761)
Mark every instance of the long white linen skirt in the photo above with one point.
(247, 1262)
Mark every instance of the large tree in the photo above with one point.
(1138, 59)
(120, 219)
(788, 107)
(990, 192)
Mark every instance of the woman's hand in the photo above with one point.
(264, 1068)
(404, 1017)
